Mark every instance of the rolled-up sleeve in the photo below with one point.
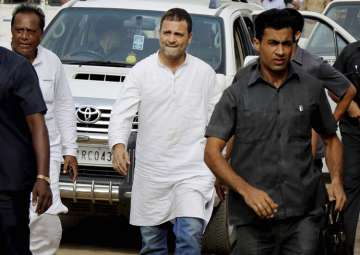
(223, 120)
(333, 80)
(124, 109)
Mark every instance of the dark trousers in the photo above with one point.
(352, 186)
(297, 235)
(14, 223)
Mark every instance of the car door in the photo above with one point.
(323, 37)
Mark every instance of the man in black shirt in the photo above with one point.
(24, 152)
(349, 64)
(271, 108)
(335, 82)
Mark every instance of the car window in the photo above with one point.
(116, 36)
(318, 38)
(238, 43)
(347, 15)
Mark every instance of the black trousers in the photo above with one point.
(14, 223)
(297, 235)
(352, 186)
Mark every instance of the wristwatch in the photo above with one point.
(43, 177)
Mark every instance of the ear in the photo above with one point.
(190, 37)
(297, 36)
(256, 42)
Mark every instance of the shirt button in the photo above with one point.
(279, 135)
(278, 111)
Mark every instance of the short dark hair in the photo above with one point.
(273, 18)
(28, 8)
(297, 19)
(177, 14)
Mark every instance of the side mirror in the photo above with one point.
(250, 59)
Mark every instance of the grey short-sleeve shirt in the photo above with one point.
(272, 129)
(332, 79)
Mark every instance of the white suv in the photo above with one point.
(98, 41)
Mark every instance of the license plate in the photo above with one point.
(94, 156)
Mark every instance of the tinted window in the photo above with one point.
(318, 38)
(348, 16)
(115, 36)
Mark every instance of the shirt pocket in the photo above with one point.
(254, 126)
(47, 89)
(300, 122)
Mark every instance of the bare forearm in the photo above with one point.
(222, 170)
(314, 142)
(334, 158)
(344, 103)
(40, 140)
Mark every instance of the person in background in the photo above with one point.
(27, 26)
(280, 4)
(348, 63)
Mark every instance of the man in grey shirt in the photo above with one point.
(333, 80)
(270, 109)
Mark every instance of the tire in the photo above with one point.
(219, 236)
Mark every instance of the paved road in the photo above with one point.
(99, 235)
(109, 236)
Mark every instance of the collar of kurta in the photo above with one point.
(255, 75)
(187, 60)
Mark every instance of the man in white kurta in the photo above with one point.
(27, 27)
(174, 100)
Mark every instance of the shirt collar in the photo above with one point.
(299, 55)
(38, 58)
(255, 76)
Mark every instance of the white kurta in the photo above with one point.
(171, 179)
(60, 118)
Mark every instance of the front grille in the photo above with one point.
(100, 77)
(102, 125)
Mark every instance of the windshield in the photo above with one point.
(346, 15)
(119, 37)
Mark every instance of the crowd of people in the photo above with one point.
(274, 120)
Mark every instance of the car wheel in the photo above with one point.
(219, 236)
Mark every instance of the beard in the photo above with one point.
(172, 53)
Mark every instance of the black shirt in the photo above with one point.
(349, 64)
(272, 147)
(20, 96)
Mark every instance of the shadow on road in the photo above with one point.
(100, 231)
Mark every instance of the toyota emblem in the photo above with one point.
(88, 114)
